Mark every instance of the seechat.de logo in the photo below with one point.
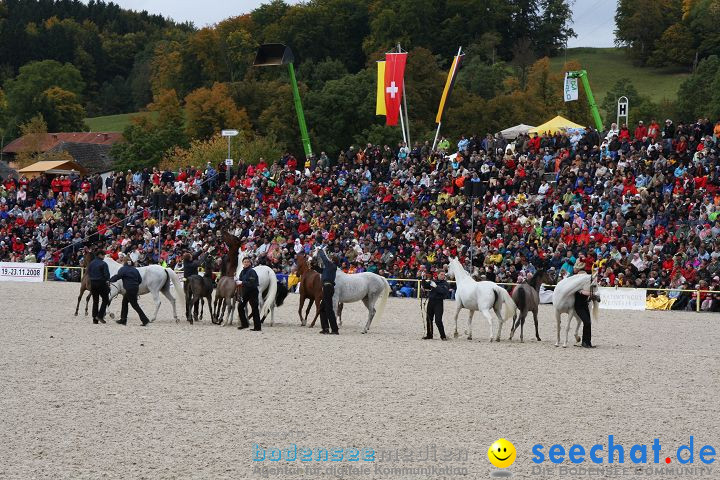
(614, 452)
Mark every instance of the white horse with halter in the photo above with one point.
(485, 297)
(367, 287)
(155, 280)
(564, 302)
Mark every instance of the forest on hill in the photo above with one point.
(64, 60)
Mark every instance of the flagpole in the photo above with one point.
(404, 124)
(407, 119)
(437, 132)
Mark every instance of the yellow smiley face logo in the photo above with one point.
(502, 453)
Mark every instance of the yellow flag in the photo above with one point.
(452, 75)
(380, 100)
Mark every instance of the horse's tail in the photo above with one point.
(177, 283)
(518, 297)
(595, 312)
(383, 299)
(282, 293)
(510, 307)
(270, 297)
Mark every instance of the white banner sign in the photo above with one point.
(571, 89)
(622, 298)
(21, 272)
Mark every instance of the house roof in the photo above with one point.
(54, 165)
(95, 158)
(51, 140)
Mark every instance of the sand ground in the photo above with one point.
(79, 400)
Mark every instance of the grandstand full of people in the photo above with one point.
(641, 207)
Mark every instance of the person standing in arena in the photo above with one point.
(250, 283)
(582, 298)
(131, 283)
(438, 292)
(327, 312)
(190, 268)
(99, 275)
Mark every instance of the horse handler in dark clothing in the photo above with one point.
(99, 275)
(249, 282)
(131, 284)
(582, 298)
(439, 291)
(327, 312)
(190, 268)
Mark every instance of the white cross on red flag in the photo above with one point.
(394, 74)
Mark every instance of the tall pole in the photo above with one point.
(402, 125)
(472, 232)
(407, 119)
(437, 132)
(299, 110)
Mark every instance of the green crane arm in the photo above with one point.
(582, 75)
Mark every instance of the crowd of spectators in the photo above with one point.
(640, 207)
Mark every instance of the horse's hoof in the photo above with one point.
(76, 314)
(455, 335)
(557, 344)
(364, 331)
(538, 339)
(521, 340)
(564, 345)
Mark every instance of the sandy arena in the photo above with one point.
(179, 401)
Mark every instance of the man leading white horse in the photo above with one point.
(565, 301)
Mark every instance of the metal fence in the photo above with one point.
(417, 282)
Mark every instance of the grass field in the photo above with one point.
(112, 123)
(606, 65)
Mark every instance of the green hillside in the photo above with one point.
(606, 65)
(111, 123)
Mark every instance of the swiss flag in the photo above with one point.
(394, 74)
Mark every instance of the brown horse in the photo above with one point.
(84, 283)
(527, 298)
(225, 292)
(311, 288)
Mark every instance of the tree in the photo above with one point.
(248, 149)
(641, 107)
(209, 110)
(702, 84)
(675, 47)
(553, 30)
(34, 131)
(149, 137)
(640, 23)
(62, 110)
(25, 93)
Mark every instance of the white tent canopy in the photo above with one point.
(514, 132)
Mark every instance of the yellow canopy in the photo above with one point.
(556, 124)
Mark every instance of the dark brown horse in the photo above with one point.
(201, 288)
(527, 298)
(84, 283)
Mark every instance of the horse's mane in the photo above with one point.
(460, 270)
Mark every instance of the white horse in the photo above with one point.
(564, 302)
(480, 296)
(267, 289)
(155, 280)
(366, 286)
